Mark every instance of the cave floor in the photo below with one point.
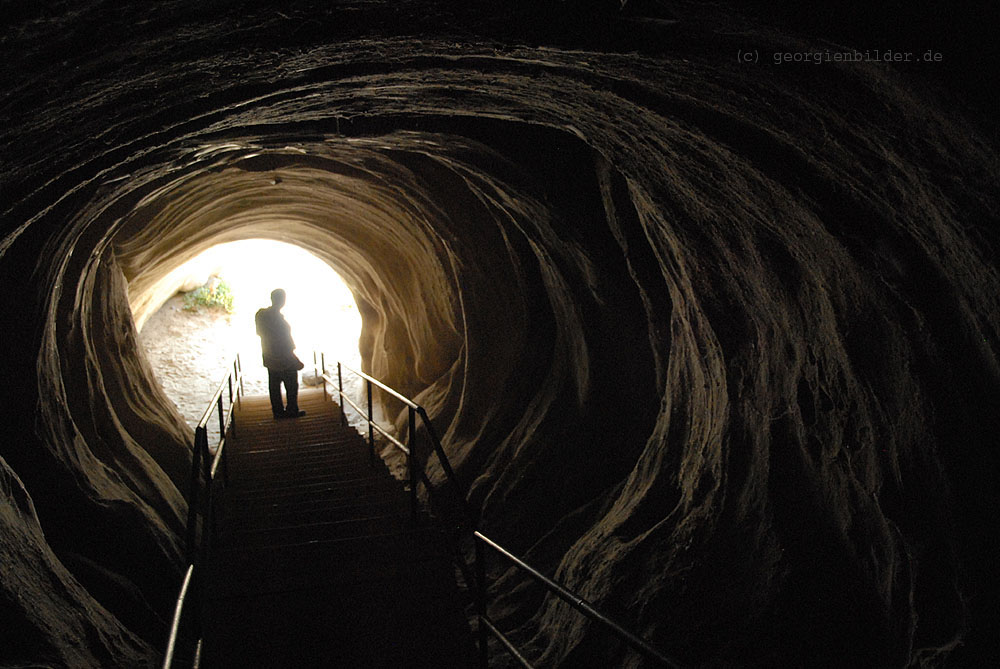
(318, 562)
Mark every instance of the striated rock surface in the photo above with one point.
(714, 344)
(48, 617)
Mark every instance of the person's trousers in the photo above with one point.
(291, 380)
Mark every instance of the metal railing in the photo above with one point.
(207, 468)
(486, 625)
(416, 471)
(477, 580)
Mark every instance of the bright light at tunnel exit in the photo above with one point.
(319, 307)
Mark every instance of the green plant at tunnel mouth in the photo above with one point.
(214, 294)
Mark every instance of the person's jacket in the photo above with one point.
(276, 343)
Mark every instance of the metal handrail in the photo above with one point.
(178, 610)
(395, 393)
(215, 405)
(400, 445)
(485, 624)
(205, 473)
(417, 473)
(563, 593)
(514, 651)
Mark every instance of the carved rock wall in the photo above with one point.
(716, 345)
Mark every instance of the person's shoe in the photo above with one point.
(278, 415)
(294, 414)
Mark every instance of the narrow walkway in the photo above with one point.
(318, 563)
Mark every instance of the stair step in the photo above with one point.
(301, 461)
(317, 484)
(287, 476)
(336, 496)
(279, 450)
(313, 530)
(348, 560)
(317, 560)
(266, 514)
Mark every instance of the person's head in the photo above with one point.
(277, 298)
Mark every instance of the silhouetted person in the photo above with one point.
(277, 347)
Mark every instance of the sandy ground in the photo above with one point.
(191, 352)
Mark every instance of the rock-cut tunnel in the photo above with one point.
(715, 345)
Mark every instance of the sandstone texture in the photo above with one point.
(714, 344)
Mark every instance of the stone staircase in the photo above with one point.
(318, 562)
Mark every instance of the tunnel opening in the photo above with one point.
(191, 344)
(402, 161)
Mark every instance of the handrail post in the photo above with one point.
(207, 523)
(412, 462)
(222, 417)
(225, 466)
(319, 369)
(239, 373)
(232, 423)
(482, 632)
(192, 522)
(340, 397)
(371, 431)
(207, 514)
